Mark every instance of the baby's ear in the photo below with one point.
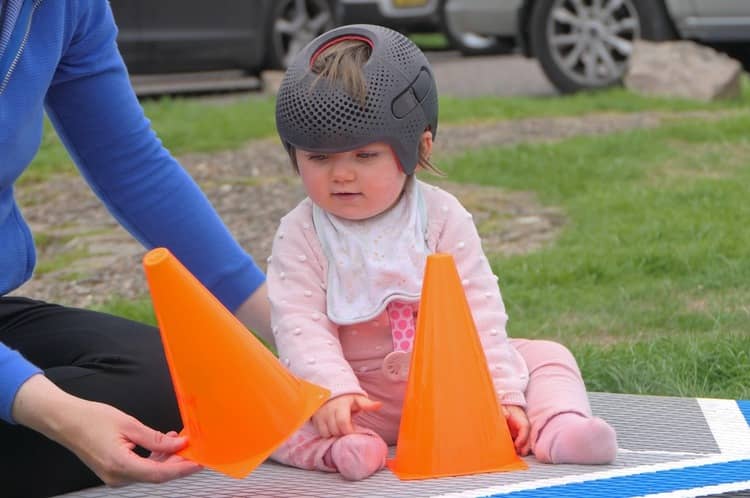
(425, 144)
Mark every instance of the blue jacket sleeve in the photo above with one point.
(15, 371)
(97, 116)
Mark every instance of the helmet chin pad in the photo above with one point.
(317, 115)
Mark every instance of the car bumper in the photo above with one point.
(370, 12)
(486, 17)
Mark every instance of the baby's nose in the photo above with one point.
(340, 171)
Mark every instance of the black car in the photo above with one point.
(165, 36)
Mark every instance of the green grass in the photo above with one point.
(462, 110)
(60, 261)
(191, 125)
(692, 366)
(430, 41)
(649, 281)
(183, 125)
(139, 310)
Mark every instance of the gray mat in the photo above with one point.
(667, 444)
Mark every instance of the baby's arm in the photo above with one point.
(335, 417)
(459, 237)
(520, 428)
(307, 342)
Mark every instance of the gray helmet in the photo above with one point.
(401, 101)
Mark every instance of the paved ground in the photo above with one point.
(502, 75)
(457, 76)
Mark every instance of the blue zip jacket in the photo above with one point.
(60, 56)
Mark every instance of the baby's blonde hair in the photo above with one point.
(342, 63)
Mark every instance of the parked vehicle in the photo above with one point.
(401, 15)
(412, 16)
(163, 36)
(585, 44)
(295, 23)
(468, 40)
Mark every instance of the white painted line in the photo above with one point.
(605, 474)
(661, 452)
(704, 491)
(728, 425)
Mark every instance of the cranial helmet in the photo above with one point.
(318, 115)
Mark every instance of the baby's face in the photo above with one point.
(354, 185)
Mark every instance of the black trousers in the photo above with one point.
(90, 355)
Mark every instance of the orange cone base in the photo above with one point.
(238, 403)
(414, 474)
(452, 423)
(312, 393)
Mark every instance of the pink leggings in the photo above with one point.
(555, 386)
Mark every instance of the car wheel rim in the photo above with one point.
(298, 23)
(591, 40)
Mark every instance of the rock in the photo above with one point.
(682, 69)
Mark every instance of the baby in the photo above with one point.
(357, 111)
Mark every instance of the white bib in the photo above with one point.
(374, 261)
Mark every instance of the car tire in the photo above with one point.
(465, 42)
(293, 24)
(575, 45)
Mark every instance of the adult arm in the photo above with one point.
(97, 116)
(15, 370)
(100, 435)
(255, 313)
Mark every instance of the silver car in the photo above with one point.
(418, 16)
(402, 15)
(585, 44)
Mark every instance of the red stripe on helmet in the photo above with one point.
(338, 40)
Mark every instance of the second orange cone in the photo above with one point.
(452, 422)
(237, 402)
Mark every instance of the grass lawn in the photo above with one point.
(194, 125)
(649, 283)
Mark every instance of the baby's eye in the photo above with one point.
(317, 157)
(367, 155)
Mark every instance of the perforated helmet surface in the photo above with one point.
(401, 100)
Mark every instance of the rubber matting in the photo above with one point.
(669, 447)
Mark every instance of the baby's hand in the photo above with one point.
(335, 417)
(519, 426)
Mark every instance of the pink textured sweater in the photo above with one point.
(316, 349)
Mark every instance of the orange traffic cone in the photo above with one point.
(237, 402)
(452, 422)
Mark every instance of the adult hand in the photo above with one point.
(520, 427)
(102, 436)
(334, 418)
